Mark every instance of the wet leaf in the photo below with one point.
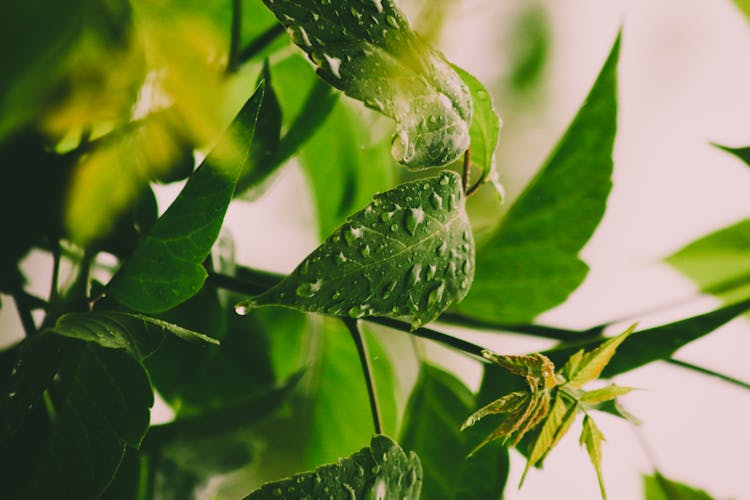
(531, 263)
(409, 254)
(120, 330)
(382, 470)
(590, 365)
(367, 49)
(485, 125)
(166, 267)
(592, 438)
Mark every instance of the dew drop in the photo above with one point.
(388, 290)
(376, 469)
(316, 479)
(360, 471)
(386, 216)
(394, 228)
(444, 180)
(357, 311)
(335, 64)
(352, 234)
(436, 201)
(341, 258)
(442, 249)
(392, 21)
(244, 307)
(414, 274)
(307, 290)
(436, 294)
(379, 490)
(365, 251)
(412, 219)
(277, 492)
(430, 272)
(467, 266)
(378, 5)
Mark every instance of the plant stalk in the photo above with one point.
(364, 359)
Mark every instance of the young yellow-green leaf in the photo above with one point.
(531, 263)
(592, 438)
(557, 423)
(571, 365)
(381, 470)
(485, 125)
(367, 49)
(166, 268)
(744, 6)
(408, 254)
(658, 487)
(593, 362)
(120, 330)
(604, 394)
(506, 404)
(536, 368)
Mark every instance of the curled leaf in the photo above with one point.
(367, 49)
(409, 254)
(536, 368)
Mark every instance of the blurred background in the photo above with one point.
(684, 76)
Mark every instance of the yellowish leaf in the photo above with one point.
(592, 438)
(592, 363)
(537, 369)
(571, 366)
(604, 394)
(507, 404)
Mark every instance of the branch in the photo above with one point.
(234, 37)
(364, 359)
(24, 313)
(256, 46)
(706, 371)
(547, 332)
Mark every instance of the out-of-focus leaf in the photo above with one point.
(368, 50)
(485, 125)
(744, 6)
(531, 263)
(560, 418)
(166, 268)
(741, 153)
(719, 262)
(529, 48)
(658, 487)
(409, 254)
(382, 470)
(437, 406)
(345, 167)
(646, 346)
(592, 438)
(584, 368)
(604, 394)
(105, 399)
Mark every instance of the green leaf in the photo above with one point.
(382, 470)
(409, 254)
(266, 133)
(345, 167)
(367, 50)
(719, 262)
(531, 263)
(166, 267)
(646, 346)
(589, 366)
(485, 125)
(506, 404)
(556, 425)
(741, 153)
(604, 394)
(744, 6)
(119, 330)
(105, 399)
(658, 487)
(592, 438)
(437, 405)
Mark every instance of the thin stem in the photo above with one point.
(234, 40)
(706, 371)
(256, 46)
(24, 313)
(542, 331)
(55, 271)
(364, 359)
(467, 170)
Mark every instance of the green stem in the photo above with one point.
(467, 171)
(56, 254)
(542, 331)
(234, 39)
(706, 371)
(24, 313)
(256, 46)
(364, 359)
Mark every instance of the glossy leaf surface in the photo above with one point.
(367, 49)
(409, 254)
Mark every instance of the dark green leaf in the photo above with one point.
(719, 262)
(657, 343)
(260, 161)
(367, 50)
(166, 267)
(485, 125)
(531, 263)
(741, 153)
(105, 398)
(658, 487)
(27, 371)
(409, 254)
(381, 471)
(437, 406)
(119, 330)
